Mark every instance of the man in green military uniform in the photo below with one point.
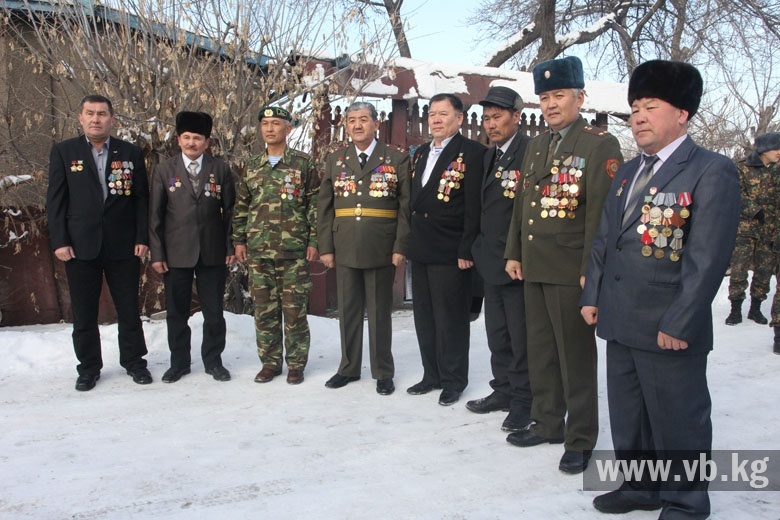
(566, 175)
(757, 223)
(274, 228)
(364, 229)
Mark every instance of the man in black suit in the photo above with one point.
(504, 301)
(444, 222)
(666, 235)
(189, 234)
(97, 202)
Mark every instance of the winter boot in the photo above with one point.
(777, 340)
(736, 313)
(755, 312)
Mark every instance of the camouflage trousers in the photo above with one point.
(280, 289)
(775, 319)
(755, 253)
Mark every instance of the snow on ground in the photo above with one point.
(202, 449)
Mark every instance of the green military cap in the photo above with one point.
(274, 112)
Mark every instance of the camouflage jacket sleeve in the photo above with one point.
(241, 212)
(312, 195)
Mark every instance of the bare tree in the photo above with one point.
(392, 9)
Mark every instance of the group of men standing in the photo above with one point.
(565, 236)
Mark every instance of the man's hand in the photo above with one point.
(311, 253)
(64, 253)
(328, 260)
(160, 267)
(398, 259)
(240, 252)
(667, 342)
(464, 264)
(141, 250)
(582, 282)
(230, 260)
(514, 269)
(590, 314)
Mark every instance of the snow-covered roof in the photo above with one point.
(412, 79)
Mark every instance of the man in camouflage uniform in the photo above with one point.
(274, 227)
(756, 230)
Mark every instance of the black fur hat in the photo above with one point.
(195, 122)
(677, 83)
(768, 141)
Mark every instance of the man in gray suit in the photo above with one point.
(665, 239)
(192, 197)
(363, 229)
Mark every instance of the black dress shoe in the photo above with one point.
(219, 373)
(526, 438)
(574, 462)
(337, 381)
(86, 382)
(493, 403)
(516, 421)
(385, 386)
(422, 388)
(617, 503)
(142, 376)
(448, 397)
(174, 374)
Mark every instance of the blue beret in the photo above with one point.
(558, 74)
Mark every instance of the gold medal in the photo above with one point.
(647, 250)
(674, 256)
(446, 198)
(667, 232)
(653, 232)
(659, 253)
(570, 214)
(440, 196)
(561, 214)
(684, 213)
(544, 213)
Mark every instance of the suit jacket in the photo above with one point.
(364, 242)
(496, 202)
(444, 230)
(639, 295)
(556, 250)
(185, 227)
(77, 214)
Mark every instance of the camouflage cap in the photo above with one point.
(274, 112)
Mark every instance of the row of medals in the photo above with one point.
(291, 187)
(450, 179)
(344, 185)
(655, 216)
(120, 180)
(559, 199)
(211, 189)
(509, 181)
(383, 184)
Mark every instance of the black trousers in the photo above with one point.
(659, 405)
(210, 282)
(441, 298)
(506, 335)
(85, 280)
(370, 290)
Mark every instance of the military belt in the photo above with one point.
(367, 212)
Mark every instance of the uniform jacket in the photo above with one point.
(444, 230)
(77, 214)
(276, 207)
(501, 185)
(183, 226)
(639, 295)
(364, 242)
(553, 249)
(759, 198)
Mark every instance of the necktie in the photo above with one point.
(363, 158)
(499, 154)
(642, 178)
(556, 137)
(193, 173)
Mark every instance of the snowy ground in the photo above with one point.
(235, 450)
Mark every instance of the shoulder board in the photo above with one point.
(593, 130)
(298, 153)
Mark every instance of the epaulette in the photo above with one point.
(298, 153)
(593, 130)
